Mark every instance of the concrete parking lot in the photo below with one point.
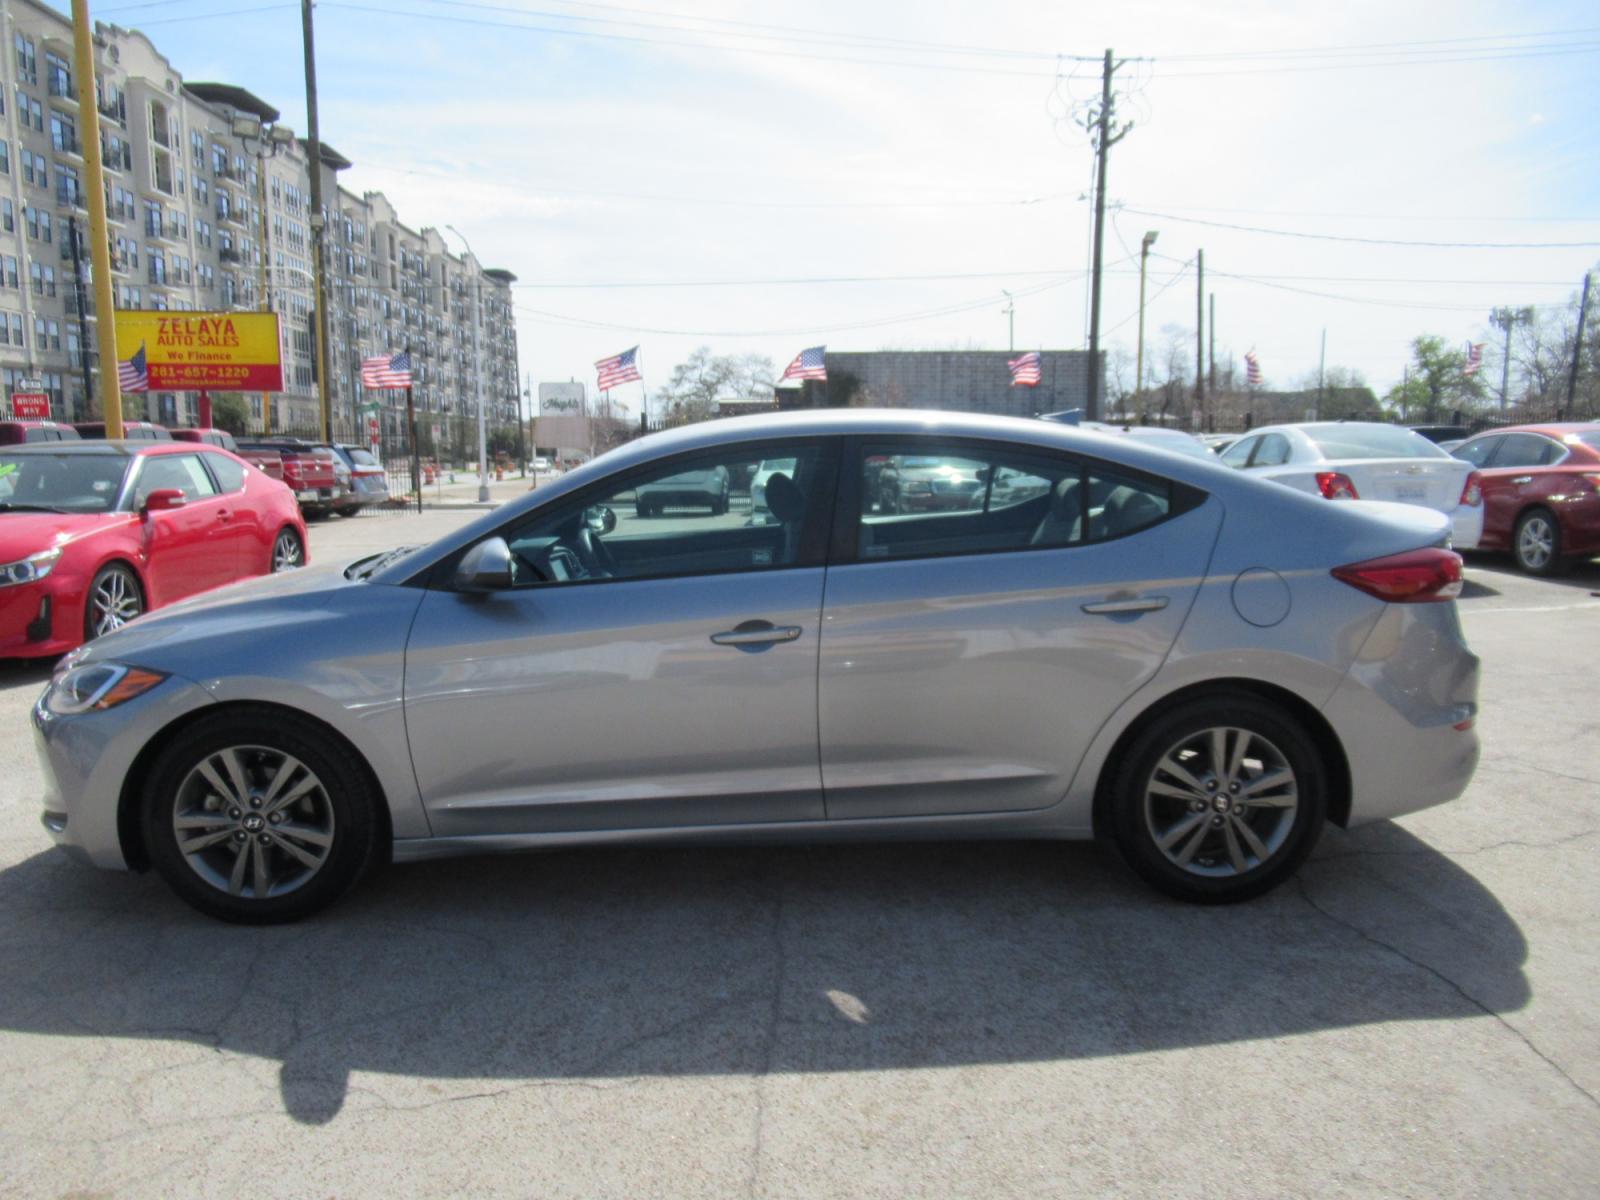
(1415, 1015)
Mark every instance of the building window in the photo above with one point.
(27, 64)
(5, 158)
(8, 215)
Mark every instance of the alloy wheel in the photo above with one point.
(286, 553)
(1536, 542)
(253, 822)
(1220, 802)
(114, 602)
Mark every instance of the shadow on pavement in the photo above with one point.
(1581, 575)
(617, 963)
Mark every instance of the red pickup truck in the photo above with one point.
(308, 472)
(268, 462)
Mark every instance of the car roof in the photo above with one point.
(1556, 429)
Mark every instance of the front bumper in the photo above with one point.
(40, 619)
(85, 759)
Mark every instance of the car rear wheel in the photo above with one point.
(287, 551)
(114, 599)
(1536, 544)
(1219, 800)
(259, 819)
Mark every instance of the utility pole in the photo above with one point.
(1211, 353)
(1145, 243)
(99, 240)
(83, 315)
(318, 222)
(1105, 138)
(1507, 319)
(1322, 373)
(1010, 311)
(1577, 349)
(1200, 335)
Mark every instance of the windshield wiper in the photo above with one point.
(366, 567)
(6, 506)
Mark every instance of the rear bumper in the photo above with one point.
(1405, 713)
(1466, 527)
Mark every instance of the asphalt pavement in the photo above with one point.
(1414, 1015)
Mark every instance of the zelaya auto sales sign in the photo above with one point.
(195, 351)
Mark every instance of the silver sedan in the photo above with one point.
(1202, 667)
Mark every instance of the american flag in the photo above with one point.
(619, 368)
(1025, 369)
(133, 375)
(806, 365)
(1474, 361)
(386, 371)
(1252, 368)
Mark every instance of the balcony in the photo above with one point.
(233, 214)
(156, 273)
(70, 199)
(115, 110)
(61, 88)
(66, 143)
(230, 256)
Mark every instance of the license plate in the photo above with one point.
(307, 495)
(1414, 492)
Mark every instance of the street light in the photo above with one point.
(1145, 243)
(272, 139)
(477, 369)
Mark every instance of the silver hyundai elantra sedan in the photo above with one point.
(1096, 638)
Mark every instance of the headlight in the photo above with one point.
(31, 569)
(97, 686)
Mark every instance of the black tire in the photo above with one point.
(350, 825)
(277, 561)
(1288, 834)
(1526, 546)
(719, 506)
(110, 582)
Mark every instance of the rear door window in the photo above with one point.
(1478, 451)
(932, 500)
(1528, 450)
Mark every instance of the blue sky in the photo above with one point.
(605, 160)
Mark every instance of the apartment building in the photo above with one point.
(208, 204)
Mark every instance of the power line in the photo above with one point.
(1374, 46)
(1274, 212)
(1366, 241)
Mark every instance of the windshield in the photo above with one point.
(63, 482)
(1370, 441)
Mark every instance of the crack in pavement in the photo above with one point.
(1373, 939)
(774, 1016)
(1428, 850)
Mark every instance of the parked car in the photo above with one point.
(369, 484)
(1174, 440)
(1364, 460)
(1218, 442)
(268, 462)
(92, 534)
(1202, 666)
(309, 475)
(908, 483)
(690, 489)
(23, 431)
(132, 431)
(1541, 492)
(1441, 433)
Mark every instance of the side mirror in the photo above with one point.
(485, 568)
(601, 518)
(163, 499)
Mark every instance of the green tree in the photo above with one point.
(1437, 379)
(230, 411)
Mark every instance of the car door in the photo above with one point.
(187, 549)
(242, 535)
(639, 672)
(969, 656)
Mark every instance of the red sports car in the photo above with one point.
(94, 533)
(1541, 492)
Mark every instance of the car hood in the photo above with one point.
(25, 533)
(231, 624)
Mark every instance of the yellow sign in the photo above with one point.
(200, 351)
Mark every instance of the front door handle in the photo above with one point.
(756, 633)
(1133, 604)
(1523, 479)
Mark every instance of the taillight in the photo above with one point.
(1592, 478)
(1472, 490)
(1336, 485)
(1414, 577)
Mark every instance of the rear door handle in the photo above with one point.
(224, 515)
(1523, 479)
(1135, 604)
(756, 633)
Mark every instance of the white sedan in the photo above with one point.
(1365, 460)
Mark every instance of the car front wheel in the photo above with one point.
(259, 818)
(114, 599)
(1219, 800)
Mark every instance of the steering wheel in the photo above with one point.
(597, 560)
